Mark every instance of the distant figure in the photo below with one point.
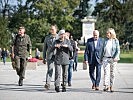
(127, 46)
(123, 47)
(8, 53)
(4, 55)
(37, 54)
(76, 57)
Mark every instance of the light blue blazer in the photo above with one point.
(115, 49)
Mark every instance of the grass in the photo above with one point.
(124, 57)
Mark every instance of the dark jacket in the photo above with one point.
(73, 53)
(22, 45)
(91, 52)
(62, 54)
(3, 54)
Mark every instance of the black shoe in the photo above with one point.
(64, 89)
(57, 89)
(69, 84)
(47, 86)
(20, 82)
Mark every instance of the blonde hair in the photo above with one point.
(112, 32)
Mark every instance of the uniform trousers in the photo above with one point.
(21, 63)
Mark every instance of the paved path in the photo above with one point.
(33, 88)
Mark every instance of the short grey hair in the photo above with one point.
(96, 31)
(61, 32)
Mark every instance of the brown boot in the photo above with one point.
(93, 86)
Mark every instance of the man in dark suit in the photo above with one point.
(92, 57)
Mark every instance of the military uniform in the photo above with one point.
(21, 45)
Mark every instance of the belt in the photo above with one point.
(108, 57)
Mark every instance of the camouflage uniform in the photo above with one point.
(21, 47)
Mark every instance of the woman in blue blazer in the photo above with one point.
(110, 57)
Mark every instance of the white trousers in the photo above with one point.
(109, 71)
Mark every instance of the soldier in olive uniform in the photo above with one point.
(21, 46)
(63, 47)
(48, 56)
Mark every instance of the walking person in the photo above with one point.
(110, 57)
(76, 57)
(4, 55)
(92, 56)
(63, 48)
(48, 55)
(72, 56)
(21, 46)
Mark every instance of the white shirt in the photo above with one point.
(95, 42)
(108, 48)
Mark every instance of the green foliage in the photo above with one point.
(115, 14)
(4, 33)
(58, 11)
(39, 46)
(37, 15)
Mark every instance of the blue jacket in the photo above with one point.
(91, 52)
(115, 49)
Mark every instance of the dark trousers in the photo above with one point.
(92, 67)
(21, 63)
(58, 74)
(4, 59)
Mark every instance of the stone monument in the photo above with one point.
(88, 24)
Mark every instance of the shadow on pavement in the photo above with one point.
(25, 87)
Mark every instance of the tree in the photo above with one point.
(37, 15)
(115, 14)
(4, 33)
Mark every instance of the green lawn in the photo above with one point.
(124, 57)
